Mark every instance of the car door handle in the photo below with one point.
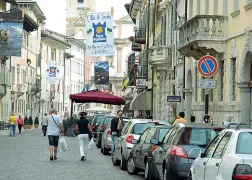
(217, 164)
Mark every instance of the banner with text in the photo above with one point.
(100, 34)
(11, 34)
(52, 72)
(101, 71)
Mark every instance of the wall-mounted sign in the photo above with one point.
(173, 98)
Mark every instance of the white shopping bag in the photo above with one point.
(91, 144)
(62, 144)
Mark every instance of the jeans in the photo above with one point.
(83, 142)
(114, 138)
(12, 129)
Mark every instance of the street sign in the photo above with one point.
(173, 98)
(207, 66)
(207, 84)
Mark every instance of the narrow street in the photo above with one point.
(26, 157)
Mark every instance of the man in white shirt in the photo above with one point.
(53, 132)
(44, 123)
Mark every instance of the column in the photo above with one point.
(245, 104)
(119, 59)
(159, 99)
(166, 112)
(188, 101)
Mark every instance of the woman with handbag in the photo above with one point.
(83, 129)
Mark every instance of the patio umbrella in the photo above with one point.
(98, 109)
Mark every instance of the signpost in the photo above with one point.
(173, 98)
(207, 67)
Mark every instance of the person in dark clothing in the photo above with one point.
(114, 129)
(192, 119)
(83, 129)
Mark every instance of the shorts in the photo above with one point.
(53, 140)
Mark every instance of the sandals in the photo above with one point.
(53, 158)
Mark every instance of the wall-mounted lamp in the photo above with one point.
(28, 62)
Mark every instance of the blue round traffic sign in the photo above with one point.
(207, 66)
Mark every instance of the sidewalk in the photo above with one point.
(7, 132)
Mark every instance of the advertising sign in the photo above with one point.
(101, 71)
(52, 72)
(11, 34)
(100, 34)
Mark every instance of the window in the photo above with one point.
(235, 5)
(198, 7)
(144, 135)
(150, 135)
(221, 80)
(172, 134)
(140, 128)
(243, 144)
(222, 146)
(233, 79)
(209, 151)
(206, 6)
(162, 133)
(215, 7)
(191, 9)
(80, 1)
(126, 128)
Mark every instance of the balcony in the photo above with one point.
(203, 34)
(20, 90)
(52, 95)
(13, 89)
(160, 55)
(140, 36)
(136, 46)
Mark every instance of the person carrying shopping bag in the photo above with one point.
(83, 129)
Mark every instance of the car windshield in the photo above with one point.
(162, 134)
(244, 145)
(98, 119)
(197, 136)
(140, 128)
(108, 120)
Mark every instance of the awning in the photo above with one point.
(142, 102)
(127, 7)
(29, 24)
(126, 107)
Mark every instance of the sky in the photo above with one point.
(55, 11)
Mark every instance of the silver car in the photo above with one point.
(132, 130)
(106, 140)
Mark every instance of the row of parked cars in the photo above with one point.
(185, 151)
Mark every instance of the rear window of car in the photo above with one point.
(98, 119)
(197, 136)
(244, 145)
(162, 134)
(107, 120)
(139, 128)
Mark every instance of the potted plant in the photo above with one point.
(36, 122)
(30, 123)
(25, 122)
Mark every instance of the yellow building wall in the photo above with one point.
(236, 30)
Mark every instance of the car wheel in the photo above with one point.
(123, 163)
(105, 151)
(131, 168)
(114, 160)
(147, 171)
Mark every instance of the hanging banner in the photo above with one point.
(100, 34)
(101, 70)
(11, 34)
(52, 72)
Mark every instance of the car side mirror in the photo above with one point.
(154, 141)
(134, 141)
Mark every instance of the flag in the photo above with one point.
(125, 81)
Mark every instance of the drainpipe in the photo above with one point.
(184, 71)
(64, 81)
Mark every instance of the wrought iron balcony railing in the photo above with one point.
(140, 36)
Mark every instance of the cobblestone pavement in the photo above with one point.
(26, 157)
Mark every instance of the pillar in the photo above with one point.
(188, 103)
(245, 104)
(166, 109)
(119, 59)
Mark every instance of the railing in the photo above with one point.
(203, 27)
(136, 46)
(160, 54)
(140, 36)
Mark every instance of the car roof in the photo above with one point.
(135, 121)
(200, 125)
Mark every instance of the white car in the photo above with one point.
(132, 130)
(227, 157)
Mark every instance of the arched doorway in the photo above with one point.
(188, 95)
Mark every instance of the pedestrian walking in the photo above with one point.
(54, 130)
(20, 123)
(44, 123)
(83, 129)
(114, 129)
(181, 119)
(13, 123)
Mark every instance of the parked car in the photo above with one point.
(143, 148)
(133, 130)
(228, 156)
(106, 138)
(96, 123)
(102, 127)
(173, 159)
